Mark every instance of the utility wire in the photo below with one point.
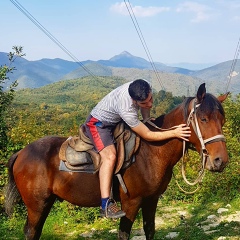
(139, 32)
(43, 29)
(234, 62)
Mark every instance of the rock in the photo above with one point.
(212, 217)
(139, 232)
(86, 235)
(183, 213)
(172, 235)
(210, 232)
(139, 238)
(221, 210)
(234, 217)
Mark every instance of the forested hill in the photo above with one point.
(65, 104)
(179, 81)
(86, 90)
(176, 83)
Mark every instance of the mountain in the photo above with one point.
(94, 68)
(179, 81)
(34, 74)
(127, 60)
(176, 83)
(217, 77)
(191, 66)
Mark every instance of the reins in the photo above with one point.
(192, 120)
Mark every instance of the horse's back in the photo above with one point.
(44, 147)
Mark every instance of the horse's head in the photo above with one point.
(206, 119)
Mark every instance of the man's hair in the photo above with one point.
(139, 90)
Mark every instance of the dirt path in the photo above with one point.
(208, 225)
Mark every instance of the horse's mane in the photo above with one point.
(209, 104)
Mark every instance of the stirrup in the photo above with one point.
(112, 210)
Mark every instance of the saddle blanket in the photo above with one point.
(87, 169)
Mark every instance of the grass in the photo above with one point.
(74, 223)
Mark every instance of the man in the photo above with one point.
(123, 103)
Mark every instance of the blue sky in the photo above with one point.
(200, 31)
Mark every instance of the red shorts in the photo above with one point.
(101, 134)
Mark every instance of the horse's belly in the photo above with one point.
(81, 189)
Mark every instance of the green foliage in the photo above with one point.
(164, 102)
(6, 96)
(59, 109)
(86, 91)
(66, 221)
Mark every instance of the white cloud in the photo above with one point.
(202, 12)
(139, 11)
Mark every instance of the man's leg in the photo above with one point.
(108, 157)
(108, 208)
(102, 138)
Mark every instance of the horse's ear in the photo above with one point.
(201, 92)
(223, 97)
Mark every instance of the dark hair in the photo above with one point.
(139, 90)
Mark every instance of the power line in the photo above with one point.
(44, 30)
(139, 32)
(234, 62)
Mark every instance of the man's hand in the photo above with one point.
(183, 132)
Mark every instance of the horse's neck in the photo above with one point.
(172, 147)
(173, 118)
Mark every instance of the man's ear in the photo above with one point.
(134, 101)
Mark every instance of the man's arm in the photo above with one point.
(181, 131)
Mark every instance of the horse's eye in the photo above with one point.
(204, 120)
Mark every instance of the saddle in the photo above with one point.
(77, 153)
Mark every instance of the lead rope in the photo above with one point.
(200, 177)
(201, 172)
(192, 119)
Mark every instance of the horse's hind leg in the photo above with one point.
(148, 212)
(36, 216)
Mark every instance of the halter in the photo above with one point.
(192, 119)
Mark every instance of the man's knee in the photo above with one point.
(109, 154)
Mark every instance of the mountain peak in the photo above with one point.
(122, 55)
(126, 54)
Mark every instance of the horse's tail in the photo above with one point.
(11, 191)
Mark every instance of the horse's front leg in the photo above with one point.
(131, 208)
(148, 212)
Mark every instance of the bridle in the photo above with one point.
(192, 120)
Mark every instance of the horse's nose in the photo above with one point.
(218, 163)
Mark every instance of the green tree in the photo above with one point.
(7, 94)
(6, 98)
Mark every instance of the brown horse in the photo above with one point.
(34, 171)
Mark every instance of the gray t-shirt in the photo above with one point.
(117, 106)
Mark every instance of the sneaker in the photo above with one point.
(112, 211)
(102, 213)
